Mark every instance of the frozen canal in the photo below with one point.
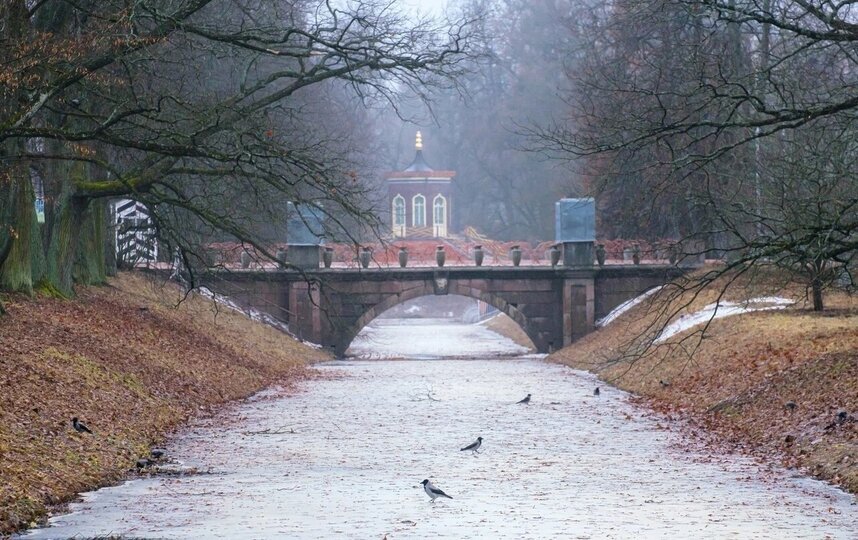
(430, 338)
(344, 458)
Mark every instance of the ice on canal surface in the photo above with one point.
(436, 338)
(343, 458)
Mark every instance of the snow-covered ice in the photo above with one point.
(344, 457)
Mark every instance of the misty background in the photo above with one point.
(724, 129)
(516, 80)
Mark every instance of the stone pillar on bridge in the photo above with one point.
(305, 313)
(575, 230)
(579, 303)
(304, 236)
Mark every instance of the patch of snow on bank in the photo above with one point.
(721, 310)
(250, 313)
(625, 306)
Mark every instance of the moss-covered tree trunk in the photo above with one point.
(17, 223)
(64, 243)
(69, 248)
(16, 273)
(14, 242)
(90, 267)
(7, 197)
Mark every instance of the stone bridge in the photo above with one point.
(553, 305)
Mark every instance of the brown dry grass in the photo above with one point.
(131, 364)
(737, 380)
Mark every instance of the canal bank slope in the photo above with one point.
(129, 363)
(769, 383)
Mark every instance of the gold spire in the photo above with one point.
(419, 143)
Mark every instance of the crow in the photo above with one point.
(474, 446)
(79, 426)
(432, 491)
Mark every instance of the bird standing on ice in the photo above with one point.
(474, 446)
(432, 491)
(526, 399)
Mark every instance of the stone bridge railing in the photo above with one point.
(423, 254)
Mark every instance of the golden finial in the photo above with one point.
(419, 144)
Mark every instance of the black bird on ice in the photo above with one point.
(596, 391)
(79, 426)
(526, 399)
(432, 491)
(474, 446)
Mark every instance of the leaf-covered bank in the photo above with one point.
(769, 383)
(129, 363)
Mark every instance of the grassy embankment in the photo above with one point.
(130, 364)
(740, 382)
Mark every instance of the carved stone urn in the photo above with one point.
(365, 256)
(515, 255)
(440, 255)
(478, 255)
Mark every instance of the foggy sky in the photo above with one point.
(428, 7)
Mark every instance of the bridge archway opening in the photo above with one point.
(431, 325)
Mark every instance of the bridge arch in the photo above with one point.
(428, 289)
(553, 306)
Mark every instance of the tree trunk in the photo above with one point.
(110, 240)
(16, 268)
(7, 198)
(64, 245)
(38, 262)
(14, 177)
(90, 266)
(816, 286)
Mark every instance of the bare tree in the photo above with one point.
(728, 122)
(194, 107)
